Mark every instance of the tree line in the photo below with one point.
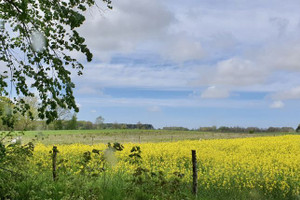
(66, 120)
(74, 124)
(237, 129)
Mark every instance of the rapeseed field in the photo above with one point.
(270, 165)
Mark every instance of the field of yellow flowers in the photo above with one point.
(268, 164)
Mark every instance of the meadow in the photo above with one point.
(129, 135)
(241, 168)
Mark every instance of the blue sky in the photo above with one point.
(193, 64)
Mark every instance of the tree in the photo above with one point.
(7, 119)
(99, 122)
(85, 125)
(27, 121)
(63, 114)
(72, 124)
(298, 129)
(36, 39)
(139, 125)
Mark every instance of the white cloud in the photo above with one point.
(221, 43)
(154, 109)
(135, 25)
(88, 90)
(237, 72)
(214, 92)
(183, 102)
(281, 24)
(127, 26)
(282, 55)
(293, 93)
(181, 48)
(112, 75)
(277, 104)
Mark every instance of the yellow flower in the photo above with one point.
(269, 163)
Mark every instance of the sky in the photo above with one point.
(192, 63)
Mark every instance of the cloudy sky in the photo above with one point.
(193, 63)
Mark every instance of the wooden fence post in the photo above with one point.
(54, 155)
(195, 173)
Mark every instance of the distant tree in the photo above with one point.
(116, 125)
(208, 129)
(63, 115)
(27, 121)
(139, 125)
(273, 129)
(298, 129)
(85, 125)
(287, 129)
(99, 122)
(148, 126)
(252, 130)
(72, 124)
(176, 128)
(58, 125)
(123, 126)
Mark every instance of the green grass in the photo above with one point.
(108, 187)
(127, 136)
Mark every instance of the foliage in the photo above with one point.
(85, 125)
(14, 158)
(6, 112)
(116, 146)
(135, 155)
(36, 39)
(2, 152)
(298, 129)
(72, 124)
(174, 128)
(27, 121)
(99, 122)
(226, 129)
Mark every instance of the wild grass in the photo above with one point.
(128, 135)
(116, 187)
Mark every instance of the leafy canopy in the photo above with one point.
(37, 38)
